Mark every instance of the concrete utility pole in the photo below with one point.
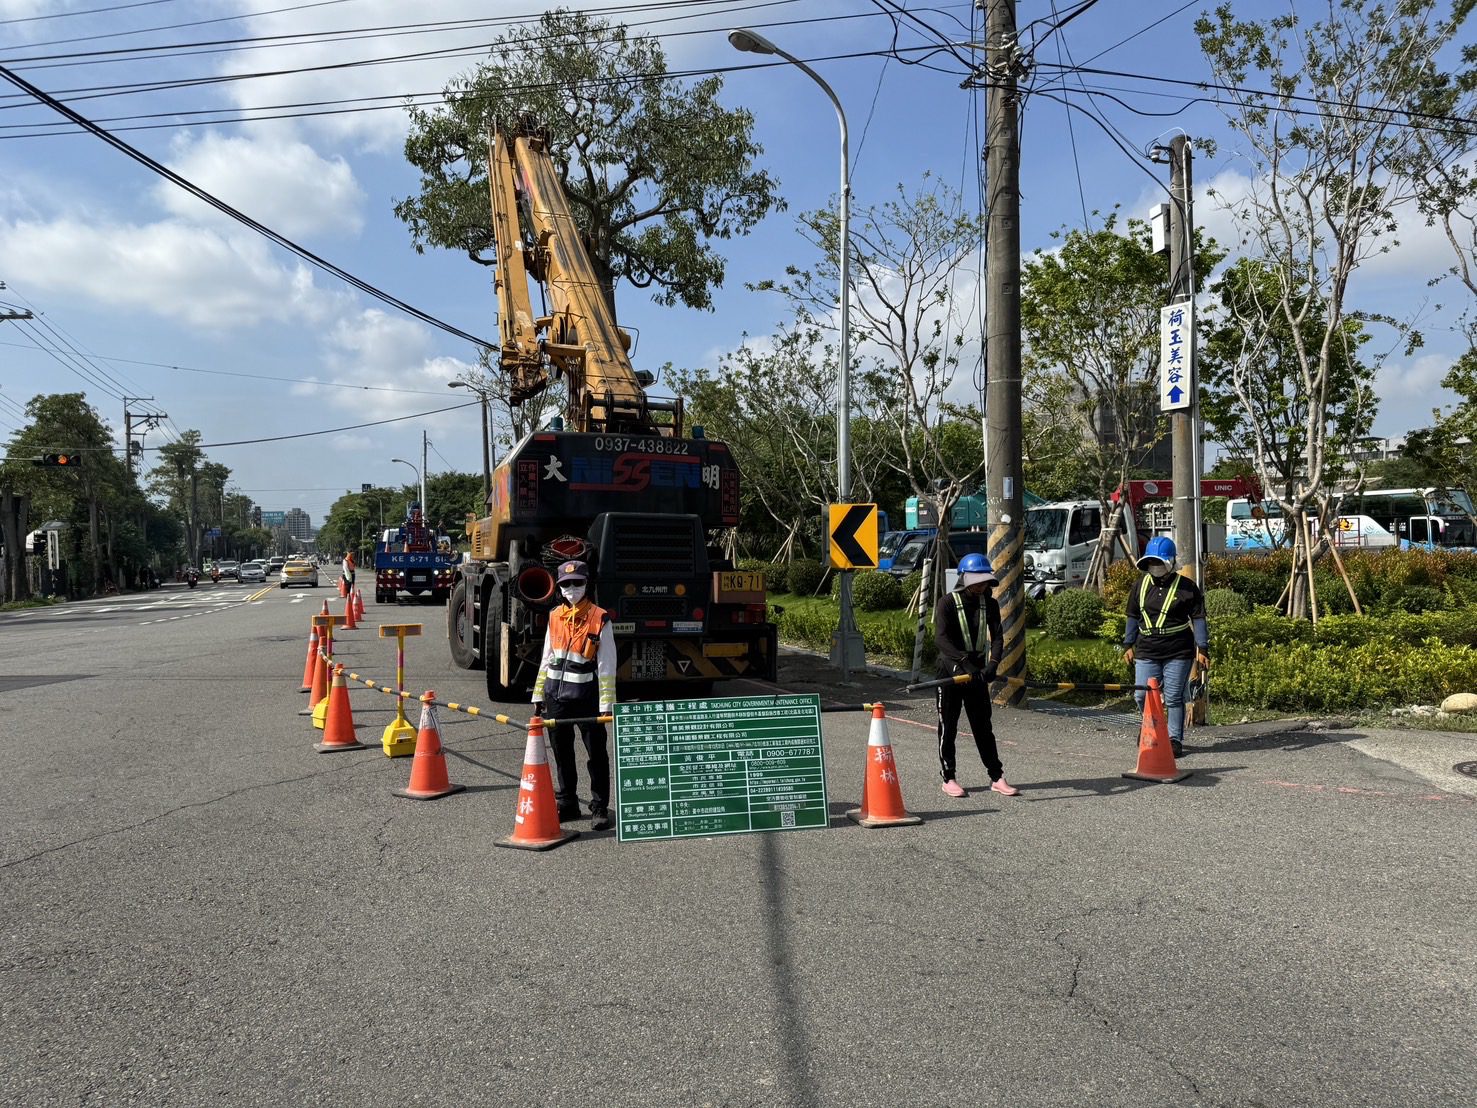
(147, 421)
(1004, 63)
(1184, 423)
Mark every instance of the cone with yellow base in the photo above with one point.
(312, 658)
(1156, 756)
(399, 739)
(882, 795)
(317, 688)
(338, 724)
(536, 822)
(428, 778)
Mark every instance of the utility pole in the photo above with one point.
(1004, 65)
(425, 507)
(147, 421)
(1184, 422)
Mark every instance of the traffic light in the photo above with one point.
(256, 517)
(62, 459)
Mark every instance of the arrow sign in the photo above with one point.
(1175, 394)
(853, 532)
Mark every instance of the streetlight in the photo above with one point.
(486, 451)
(414, 470)
(846, 645)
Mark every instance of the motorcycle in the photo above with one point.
(193, 578)
(215, 577)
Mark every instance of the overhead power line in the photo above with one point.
(332, 430)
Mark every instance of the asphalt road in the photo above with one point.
(197, 907)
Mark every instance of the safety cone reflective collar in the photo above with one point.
(338, 724)
(317, 688)
(1156, 756)
(349, 624)
(536, 822)
(312, 657)
(428, 778)
(882, 795)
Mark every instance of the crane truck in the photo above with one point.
(614, 481)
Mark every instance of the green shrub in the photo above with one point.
(895, 636)
(1112, 627)
(1033, 612)
(776, 576)
(876, 592)
(1088, 663)
(1073, 614)
(1223, 604)
(910, 585)
(805, 577)
(1257, 585)
(1412, 598)
(1122, 576)
(809, 626)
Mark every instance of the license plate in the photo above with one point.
(648, 661)
(736, 581)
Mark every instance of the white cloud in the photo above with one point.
(1409, 389)
(167, 269)
(274, 179)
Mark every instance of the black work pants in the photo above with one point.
(597, 758)
(974, 698)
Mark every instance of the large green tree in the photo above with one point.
(654, 167)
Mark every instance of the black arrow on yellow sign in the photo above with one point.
(853, 533)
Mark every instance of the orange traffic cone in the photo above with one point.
(428, 778)
(343, 588)
(358, 605)
(338, 725)
(536, 822)
(882, 797)
(349, 624)
(325, 606)
(312, 657)
(1156, 756)
(317, 684)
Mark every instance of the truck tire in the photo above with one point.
(491, 636)
(458, 630)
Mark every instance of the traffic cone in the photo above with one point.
(536, 822)
(428, 778)
(358, 604)
(325, 606)
(338, 726)
(349, 624)
(343, 588)
(312, 656)
(1156, 756)
(882, 796)
(317, 688)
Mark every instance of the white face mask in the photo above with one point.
(1158, 570)
(573, 592)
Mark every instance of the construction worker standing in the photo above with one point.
(966, 630)
(576, 679)
(1165, 633)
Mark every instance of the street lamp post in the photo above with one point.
(486, 450)
(414, 470)
(846, 645)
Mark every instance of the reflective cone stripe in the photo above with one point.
(349, 624)
(325, 608)
(536, 820)
(343, 589)
(1156, 756)
(882, 794)
(358, 604)
(338, 724)
(428, 777)
(312, 657)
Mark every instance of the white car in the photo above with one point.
(252, 573)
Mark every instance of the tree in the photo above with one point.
(1447, 450)
(1332, 165)
(175, 479)
(654, 167)
(1090, 336)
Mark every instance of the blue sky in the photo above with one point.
(131, 270)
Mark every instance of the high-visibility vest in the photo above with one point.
(981, 643)
(574, 649)
(1154, 625)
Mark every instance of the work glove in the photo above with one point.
(991, 670)
(971, 667)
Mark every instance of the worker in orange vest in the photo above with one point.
(576, 679)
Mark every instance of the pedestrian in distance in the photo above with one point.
(348, 571)
(576, 679)
(966, 630)
(1166, 633)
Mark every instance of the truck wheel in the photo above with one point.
(458, 630)
(491, 635)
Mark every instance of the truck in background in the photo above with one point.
(622, 488)
(412, 559)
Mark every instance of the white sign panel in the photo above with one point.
(1176, 349)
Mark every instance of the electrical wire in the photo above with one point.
(1071, 131)
(331, 430)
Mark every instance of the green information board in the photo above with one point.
(719, 766)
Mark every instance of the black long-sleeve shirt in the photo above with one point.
(950, 640)
(1188, 608)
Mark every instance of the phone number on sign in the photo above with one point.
(649, 446)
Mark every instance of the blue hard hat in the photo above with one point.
(1158, 549)
(975, 568)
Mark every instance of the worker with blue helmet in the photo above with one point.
(1166, 632)
(966, 630)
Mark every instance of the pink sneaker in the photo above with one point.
(1004, 788)
(953, 788)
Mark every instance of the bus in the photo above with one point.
(1420, 519)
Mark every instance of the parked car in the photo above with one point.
(252, 573)
(298, 572)
(910, 557)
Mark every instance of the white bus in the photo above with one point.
(1408, 518)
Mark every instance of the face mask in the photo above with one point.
(573, 593)
(1158, 570)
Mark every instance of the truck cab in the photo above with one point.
(1060, 538)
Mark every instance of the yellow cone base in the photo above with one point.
(538, 844)
(856, 816)
(429, 795)
(320, 713)
(398, 739)
(1159, 778)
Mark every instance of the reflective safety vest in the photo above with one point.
(1154, 625)
(981, 643)
(574, 650)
